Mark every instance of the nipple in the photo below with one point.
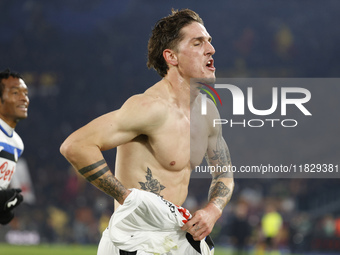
(172, 163)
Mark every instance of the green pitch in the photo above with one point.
(6, 249)
(47, 249)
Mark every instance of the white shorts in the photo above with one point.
(148, 224)
(190, 247)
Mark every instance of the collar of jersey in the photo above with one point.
(6, 128)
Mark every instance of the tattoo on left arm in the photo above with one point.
(221, 153)
(219, 192)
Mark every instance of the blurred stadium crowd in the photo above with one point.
(81, 59)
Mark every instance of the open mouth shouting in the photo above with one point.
(210, 65)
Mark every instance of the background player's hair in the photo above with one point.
(166, 35)
(5, 75)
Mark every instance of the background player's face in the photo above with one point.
(14, 101)
(194, 53)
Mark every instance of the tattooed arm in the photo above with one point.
(221, 187)
(83, 149)
(222, 183)
(100, 176)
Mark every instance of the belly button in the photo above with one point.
(172, 163)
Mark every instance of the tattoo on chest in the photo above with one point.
(151, 184)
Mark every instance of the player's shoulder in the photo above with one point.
(149, 104)
(146, 101)
(18, 140)
(212, 111)
(211, 115)
(13, 139)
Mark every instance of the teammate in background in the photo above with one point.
(160, 137)
(13, 108)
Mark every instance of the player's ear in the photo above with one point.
(170, 57)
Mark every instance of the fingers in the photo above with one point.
(198, 232)
(194, 221)
(197, 227)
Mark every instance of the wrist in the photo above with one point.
(214, 209)
(126, 194)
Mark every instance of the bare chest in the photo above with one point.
(198, 140)
(170, 145)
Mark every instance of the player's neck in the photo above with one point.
(6, 128)
(11, 123)
(180, 89)
(187, 89)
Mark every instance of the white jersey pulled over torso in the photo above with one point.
(11, 148)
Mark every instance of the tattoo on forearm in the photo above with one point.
(97, 174)
(112, 187)
(219, 189)
(89, 168)
(107, 183)
(219, 194)
(219, 202)
(151, 184)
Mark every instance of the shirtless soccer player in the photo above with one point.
(153, 133)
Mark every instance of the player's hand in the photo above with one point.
(9, 199)
(202, 222)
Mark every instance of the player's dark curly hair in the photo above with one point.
(5, 75)
(166, 35)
